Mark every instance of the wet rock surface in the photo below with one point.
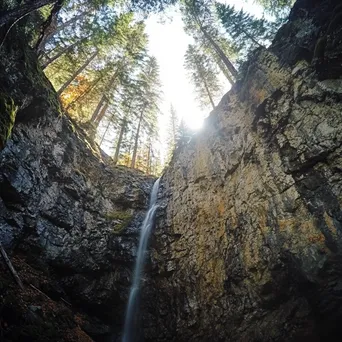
(248, 244)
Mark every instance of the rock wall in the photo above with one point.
(68, 218)
(248, 244)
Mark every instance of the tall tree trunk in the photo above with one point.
(49, 32)
(102, 113)
(106, 130)
(59, 54)
(49, 26)
(98, 108)
(118, 146)
(76, 73)
(94, 117)
(148, 168)
(222, 55)
(206, 86)
(208, 92)
(174, 128)
(225, 71)
(136, 140)
(21, 11)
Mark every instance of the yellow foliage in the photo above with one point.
(80, 85)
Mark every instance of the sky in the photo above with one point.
(168, 43)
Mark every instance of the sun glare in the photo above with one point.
(168, 43)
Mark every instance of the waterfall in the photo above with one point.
(131, 330)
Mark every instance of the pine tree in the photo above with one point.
(184, 134)
(21, 11)
(121, 51)
(204, 76)
(245, 30)
(146, 102)
(201, 23)
(77, 72)
(172, 135)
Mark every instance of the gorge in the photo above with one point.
(247, 244)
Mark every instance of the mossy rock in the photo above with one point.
(8, 112)
(124, 216)
(24, 80)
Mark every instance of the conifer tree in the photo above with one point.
(203, 75)
(201, 23)
(146, 102)
(172, 134)
(184, 134)
(245, 30)
(121, 50)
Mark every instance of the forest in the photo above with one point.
(95, 53)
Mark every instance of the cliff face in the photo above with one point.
(68, 219)
(248, 244)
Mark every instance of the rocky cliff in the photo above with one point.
(68, 219)
(248, 245)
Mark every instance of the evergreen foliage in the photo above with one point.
(173, 132)
(245, 30)
(201, 23)
(203, 74)
(95, 54)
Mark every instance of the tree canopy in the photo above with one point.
(95, 53)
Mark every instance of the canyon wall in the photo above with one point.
(69, 219)
(248, 243)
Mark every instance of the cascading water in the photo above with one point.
(131, 330)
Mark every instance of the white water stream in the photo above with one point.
(132, 327)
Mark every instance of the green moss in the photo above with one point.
(320, 47)
(124, 216)
(8, 112)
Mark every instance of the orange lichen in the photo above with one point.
(221, 208)
(318, 238)
(260, 95)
